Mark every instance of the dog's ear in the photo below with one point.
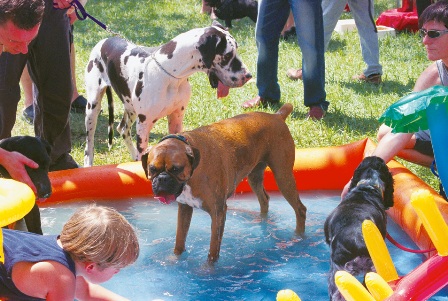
(145, 160)
(194, 156)
(47, 145)
(355, 179)
(366, 163)
(6, 144)
(389, 188)
(208, 50)
(386, 177)
(211, 44)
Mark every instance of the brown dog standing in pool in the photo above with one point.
(202, 168)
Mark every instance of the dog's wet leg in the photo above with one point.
(184, 215)
(217, 231)
(255, 179)
(286, 183)
(32, 220)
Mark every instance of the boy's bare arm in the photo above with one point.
(88, 291)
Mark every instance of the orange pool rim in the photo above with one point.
(325, 168)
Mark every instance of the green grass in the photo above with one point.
(353, 112)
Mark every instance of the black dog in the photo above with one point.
(369, 195)
(229, 10)
(37, 150)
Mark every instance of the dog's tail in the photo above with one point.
(285, 110)
(110, 106)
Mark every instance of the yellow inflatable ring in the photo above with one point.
(287, 295)
(16, 200)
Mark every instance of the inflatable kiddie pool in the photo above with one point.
(326, 168)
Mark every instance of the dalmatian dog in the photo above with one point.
(152, 82)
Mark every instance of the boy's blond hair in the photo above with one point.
(100, 235)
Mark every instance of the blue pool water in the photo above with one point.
(258, 257)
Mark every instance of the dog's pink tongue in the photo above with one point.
(165, 198)
(222, 90)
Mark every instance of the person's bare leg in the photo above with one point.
(289, 24)
(407, 152)
(205, 8)
(27, 86)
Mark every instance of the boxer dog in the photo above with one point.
(153, 82)
(202, 168)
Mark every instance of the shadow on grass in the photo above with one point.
(387, 86)
(336, 44)
(336, 118)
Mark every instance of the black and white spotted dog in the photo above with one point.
(153, 82)
(369, 196)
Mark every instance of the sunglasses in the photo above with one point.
(432, 33)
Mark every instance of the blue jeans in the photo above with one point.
(362, 11)
(272, 16)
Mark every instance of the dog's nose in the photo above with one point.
(44, 196)
(248, 76)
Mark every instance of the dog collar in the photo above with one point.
(178, 137)
(153, 56)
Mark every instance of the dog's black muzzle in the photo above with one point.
(164, 182)
(41, 182)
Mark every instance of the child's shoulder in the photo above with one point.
(44, 278)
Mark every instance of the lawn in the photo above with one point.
(354, 107)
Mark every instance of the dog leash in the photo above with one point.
(400, 246)
(82, 15)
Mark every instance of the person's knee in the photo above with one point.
(382, 131)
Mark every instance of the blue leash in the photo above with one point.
(82, 14)
(433, 164)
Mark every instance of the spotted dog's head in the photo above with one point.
(219, 56)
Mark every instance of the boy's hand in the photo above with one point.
(62, 4)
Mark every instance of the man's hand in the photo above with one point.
(62, 4)
(15, 163)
